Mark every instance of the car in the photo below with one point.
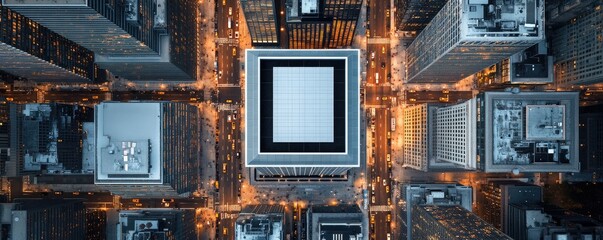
(225, 231)
(445, 91)
(233, 126)
(389, 201)
(372, 55)
(372, 218)
(387, 13)
(228, 157)
(389, 217)
(223, 2)
(412, 100)
(372, 63)
(373, 187)
(229, 118)
(389, 236)
(240, 177)
(388, 135)
(384, 182)
(383, 49)
(224, 166)
(238, 154)
(220, 74)
(382, 65)
(237, 33)
(388, 158)
(373, 199)
(229, 11)
(234, 51)
(387, 189)
(229, 33)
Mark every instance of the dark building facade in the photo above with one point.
(156, 224)
(326, 24)
(309, 24)
(414, 15)
(262, 21)
(135, 39)
(495, 197)
(450, 222)
(45, 137)
(535, 221)
(32, 51)
(45, 219)
(591, 139)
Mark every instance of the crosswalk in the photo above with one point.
(229, 208)
(378, 41)
(380, 208)
(226, 41)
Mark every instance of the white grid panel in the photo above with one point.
(303, 104)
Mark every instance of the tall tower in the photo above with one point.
(262, 21)
(135, 39)
(478, 34)
(152, 145)
(577, 49)
(322, 23)
(32, 51)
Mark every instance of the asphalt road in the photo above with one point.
(378, 93)
(227, 52)
(228, 168)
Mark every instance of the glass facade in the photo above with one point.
(414, 15)
(38, 41)
(262, 21)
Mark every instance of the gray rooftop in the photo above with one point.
(530, 131)
(313, 105)
(128, 143)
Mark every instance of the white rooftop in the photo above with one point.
(303, 104)
(128, 143)
(309, 6)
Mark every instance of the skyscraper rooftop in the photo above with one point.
(302, 109)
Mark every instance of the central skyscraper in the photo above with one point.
(302, 114)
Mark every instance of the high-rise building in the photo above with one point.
(577, 49)
(527, 132)
(302, 113)
(321, 23)
(262, 21)
(535, 221)
(495, 132)
(495, 196)
(309, 24)
(414, 15)
(591, 139)
(4, 135)
(531, 66)
(451, 222)
(433, 194)
(45, 137)
(479, 33)
(43, 219)
(32, 51)
(335, 222)
(135, 39)
(147, 148)
(455, 134)
(262, 221)
(415, 137)
(155, 223)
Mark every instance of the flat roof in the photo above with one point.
(128, 143)
(302, 108)
(303, 104)
(531, 131)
